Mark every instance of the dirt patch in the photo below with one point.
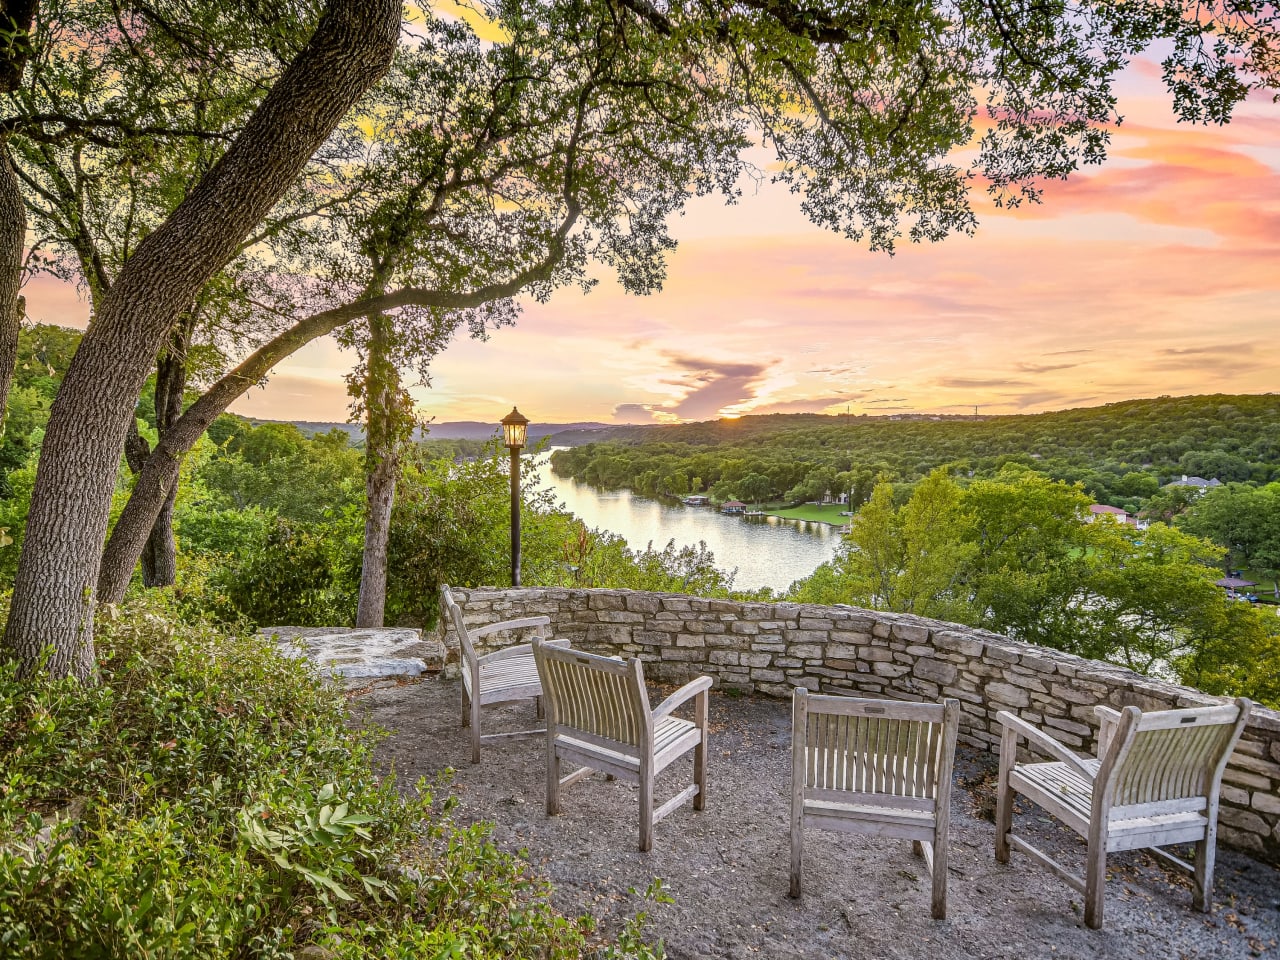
(727, 867)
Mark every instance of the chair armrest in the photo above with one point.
(520, 624)
(1108, 721)
(1046, 743)
(517, 650)
(689, 690)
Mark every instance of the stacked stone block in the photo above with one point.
(771, 648)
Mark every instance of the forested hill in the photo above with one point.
(1121, 450)
(453, 430)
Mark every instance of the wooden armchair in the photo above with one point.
(1154, 782)
(878, 767)
(504, 676)
(598, 715)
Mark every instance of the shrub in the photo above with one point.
(206, 799)
(283, 573)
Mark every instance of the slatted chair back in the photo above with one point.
(505, 675)
(599, 697)
(1154, 784)
(1170, 755)
(599, 718)
(454, 612)
(870, 747)
(879, 767)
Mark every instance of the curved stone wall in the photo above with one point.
(770, 648)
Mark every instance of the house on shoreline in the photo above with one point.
(733, 507)
(1097, 510)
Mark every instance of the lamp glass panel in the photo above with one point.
(514, 434)
(515, 428)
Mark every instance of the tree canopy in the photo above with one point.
(1015, 554)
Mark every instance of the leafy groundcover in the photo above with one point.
(206, 799)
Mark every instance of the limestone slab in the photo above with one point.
(361, 652)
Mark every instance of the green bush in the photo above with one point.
(206, 799)
(281, 573)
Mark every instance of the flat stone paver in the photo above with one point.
(361, 653)
(727, 867)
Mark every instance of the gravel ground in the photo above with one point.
(726, 867)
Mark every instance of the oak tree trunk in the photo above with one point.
(160, 556)
(13, 234)
(384, 416)
(54, 591)
(136, 453)
(380, 486)
(16, 17)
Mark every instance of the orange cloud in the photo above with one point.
(1182, 177)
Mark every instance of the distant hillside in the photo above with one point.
(562, 434)
(1208, 421)
(1121, 452)
(313, 427)
(476, 430)
(725, 428)
(1234, 434)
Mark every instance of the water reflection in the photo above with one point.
(767, 551)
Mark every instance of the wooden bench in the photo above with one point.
(1154, 782)
(598, 715)
(504, 676)
(877, 767)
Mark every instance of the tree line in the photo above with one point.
(269, 521)
(271, 531)
(1121, 454)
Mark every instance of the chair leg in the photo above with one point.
(797, 853)
(553, 780)
(646, 811)
(541, 710)
(475, 730)
(938, 902)
(1095, 882)
(700, 773)
(1202, 898)
(799, 777)
(466, 709)
(1004, 796)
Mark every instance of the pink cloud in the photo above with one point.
(1184, 177)
(633, 413)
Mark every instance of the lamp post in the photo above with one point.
(514, 430)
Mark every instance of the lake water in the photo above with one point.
(767, 552)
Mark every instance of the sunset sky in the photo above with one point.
(1157, 273)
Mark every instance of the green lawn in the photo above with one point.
(823, 513)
